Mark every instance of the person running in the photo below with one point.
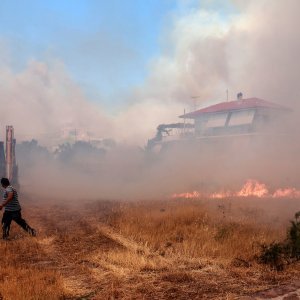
(12, 210)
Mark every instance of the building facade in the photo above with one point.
(241, 117)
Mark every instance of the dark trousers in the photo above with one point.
(8, 216)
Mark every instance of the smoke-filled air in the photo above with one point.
(72, 144)
(150, 149)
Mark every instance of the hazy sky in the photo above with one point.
(106, 46)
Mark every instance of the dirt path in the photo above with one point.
(79, 247)
(69, 242)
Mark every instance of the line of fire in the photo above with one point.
(230, 120)
(8, 165)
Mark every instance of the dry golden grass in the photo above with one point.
(192, 230)
(26, 272)
(170, 249)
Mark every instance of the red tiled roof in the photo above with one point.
(234, 105)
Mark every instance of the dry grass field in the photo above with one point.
(168, 249)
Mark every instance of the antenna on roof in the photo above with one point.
(227, 95)
(195, 101)
(184, 121)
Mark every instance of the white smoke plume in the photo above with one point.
(254, 49)
(40, 101)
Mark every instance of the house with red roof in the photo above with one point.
(241, 116)
(250, 116)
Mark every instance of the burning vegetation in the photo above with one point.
(252, 188)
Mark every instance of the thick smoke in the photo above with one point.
(41, 101)
(254, 50)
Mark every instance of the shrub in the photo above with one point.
(278, 254)
(294, 237)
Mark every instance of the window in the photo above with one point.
(244, 117)
(216, 120)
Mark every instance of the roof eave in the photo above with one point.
(194, 115)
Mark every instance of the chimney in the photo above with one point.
(239, 96)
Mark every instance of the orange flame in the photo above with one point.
(252, 188)
(191, 195)
(286, 193)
